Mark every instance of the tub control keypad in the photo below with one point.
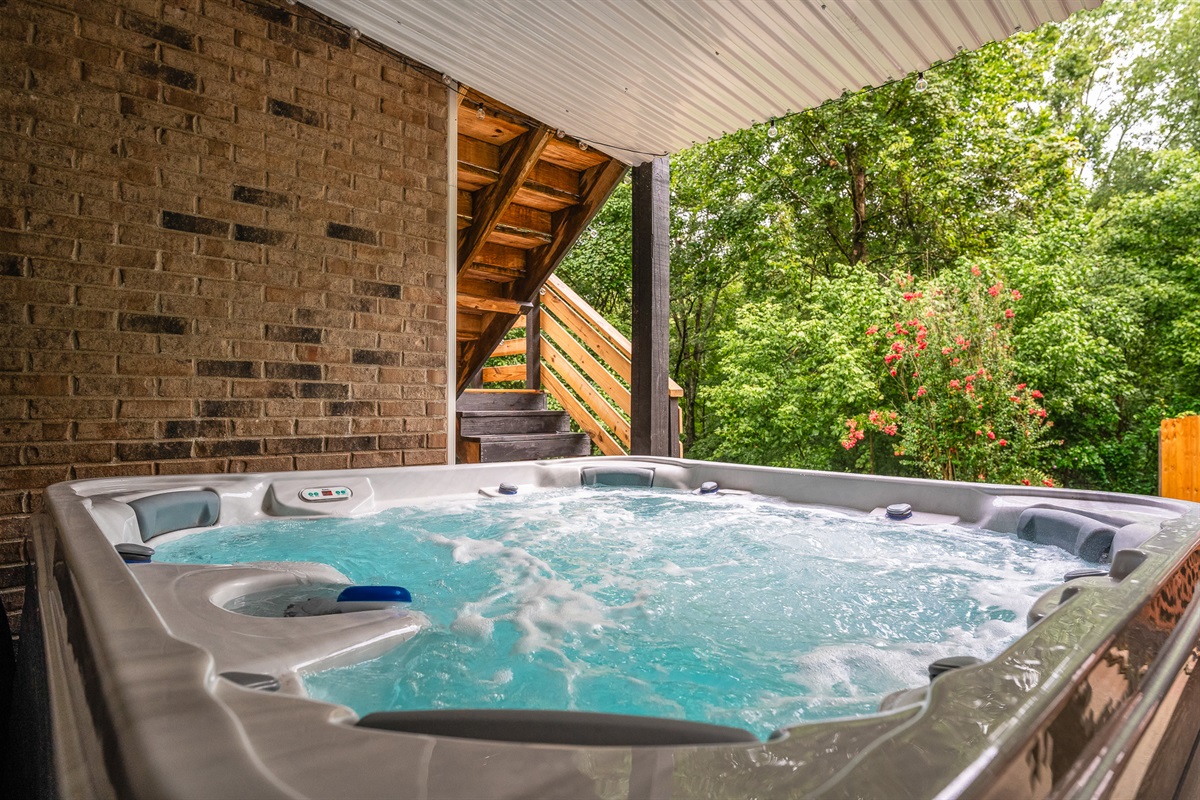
(325, 494)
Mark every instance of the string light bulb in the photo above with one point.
(355, 33)
(773, 131)
(479, 112)
(921, 84)
(583, 146)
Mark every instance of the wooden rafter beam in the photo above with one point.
(492, 201)
(566, 227)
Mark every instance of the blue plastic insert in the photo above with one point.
(375, 594)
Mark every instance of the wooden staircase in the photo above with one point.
(514, 425)
(525, 194)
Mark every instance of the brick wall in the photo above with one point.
(222, 248)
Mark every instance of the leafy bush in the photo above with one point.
(959, 410)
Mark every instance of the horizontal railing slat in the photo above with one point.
(610, 352)
(594, 370)
(569, 298)
(509, 372)
(587, 393)
(509, 347)
(589, 424)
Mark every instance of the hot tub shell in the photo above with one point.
(120, 691)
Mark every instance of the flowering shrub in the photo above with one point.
(960, 413)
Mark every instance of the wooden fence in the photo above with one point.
(1179, 458)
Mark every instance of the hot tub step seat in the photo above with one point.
(522, 447)
(514, 425)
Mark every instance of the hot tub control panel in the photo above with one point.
(325, 494)
(297, 497)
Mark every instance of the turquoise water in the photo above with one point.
(732, 610)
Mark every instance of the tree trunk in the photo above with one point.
(858, 199)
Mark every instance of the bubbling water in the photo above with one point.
(733, 610)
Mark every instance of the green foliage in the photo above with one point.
(598, 265)
(1061, 161)
(790, 376)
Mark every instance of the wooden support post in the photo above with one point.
(650, 406)
(533, 347)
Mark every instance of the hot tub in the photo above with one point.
(137, 681)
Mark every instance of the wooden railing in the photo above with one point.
(583, 362)
(1179, 458)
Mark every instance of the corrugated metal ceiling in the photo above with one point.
(640, 77)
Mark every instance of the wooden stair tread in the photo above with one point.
(501, 412)
(512, 437)
(502, 400)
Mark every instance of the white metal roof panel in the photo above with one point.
(642, 77)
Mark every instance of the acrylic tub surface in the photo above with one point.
(1094, 700)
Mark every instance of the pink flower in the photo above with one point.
(954, 384)
(1002, 442)
(1047, 482)
(1025, 481)
(897, 347)
(893, 373)
(1008, 313)
(976, 271)
(910, 296)
(1035, 393)
(1016, 295)
(871, 331)
(947, 351)
(994, 290)
(1014, 398)
(848, 443)
(979, 433)
(991, 435)
(890, 430)
(873, 417)
(920, 391)
(1020, 386)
